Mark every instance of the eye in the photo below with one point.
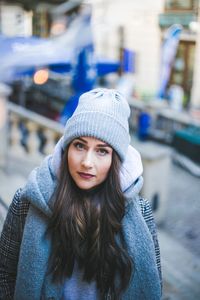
(102, 151)
(79, 146)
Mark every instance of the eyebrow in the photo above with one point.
(99, 145)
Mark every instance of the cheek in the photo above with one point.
(71, 160)
(105, 166)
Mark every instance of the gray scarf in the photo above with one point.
(32, 279)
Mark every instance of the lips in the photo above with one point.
(85, 175)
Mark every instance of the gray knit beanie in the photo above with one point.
(103, 114)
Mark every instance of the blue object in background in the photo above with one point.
(107, 66)
(144, 123)
(84, 75)
(169, 50)
(72, 53)
(69, 108)
(84, 72)
(128, 63)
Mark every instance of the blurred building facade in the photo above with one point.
(137, 25)
(140, 34)
(144, 26)
(184, 70)
(14, 20)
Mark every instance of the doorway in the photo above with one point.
(182, 70)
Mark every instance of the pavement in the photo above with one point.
(180, 268)
(179, 234)
(182, 218)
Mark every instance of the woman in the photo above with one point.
(79, 229)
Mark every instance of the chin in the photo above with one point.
(86, 186)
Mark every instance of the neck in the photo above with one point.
(90, 193)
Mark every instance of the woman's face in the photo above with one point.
(89, 161)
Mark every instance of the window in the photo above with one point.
(182, 71)
(180, 4)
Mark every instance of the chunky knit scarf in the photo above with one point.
(32, 279)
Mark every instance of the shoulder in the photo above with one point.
(14, 222)
(151, 224)
(10, 241)
(145, 208)
(147, 214)
(13, 225)
(19, 205)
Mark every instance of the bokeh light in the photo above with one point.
(41, 76)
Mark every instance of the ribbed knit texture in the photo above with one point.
(103, 114)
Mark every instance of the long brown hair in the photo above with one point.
(86, 228)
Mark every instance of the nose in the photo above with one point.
(87, 161)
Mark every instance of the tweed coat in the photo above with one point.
(12, 234)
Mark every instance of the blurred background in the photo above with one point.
(53, 51)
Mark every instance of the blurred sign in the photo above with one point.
(169, 50)
(22, 53)
(128, 63)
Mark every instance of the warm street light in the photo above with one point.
(41, 76)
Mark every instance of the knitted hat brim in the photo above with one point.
(100, 126)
